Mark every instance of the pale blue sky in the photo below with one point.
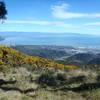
(75, 16)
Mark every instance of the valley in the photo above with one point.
(63, 54)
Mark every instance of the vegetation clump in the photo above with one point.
(3, 10)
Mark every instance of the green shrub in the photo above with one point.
(61, 77)
(48, 79)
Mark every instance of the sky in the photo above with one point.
(53, 16)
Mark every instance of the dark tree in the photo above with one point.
(3, 11)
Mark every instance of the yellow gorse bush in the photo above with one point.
(1, 62)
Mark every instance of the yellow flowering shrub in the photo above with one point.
(1, 62)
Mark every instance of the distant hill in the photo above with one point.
(81, 57)
(62, 54)
(50, 52)
(95, 61)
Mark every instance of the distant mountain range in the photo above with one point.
(63, 54)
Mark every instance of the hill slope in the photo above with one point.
(9, 56)
(24, 77)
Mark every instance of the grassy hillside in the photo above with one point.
(24, 77)
(9, 56)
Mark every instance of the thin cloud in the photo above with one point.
(27, 22)
(93, 24)
(42, 23)
(61, 11)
